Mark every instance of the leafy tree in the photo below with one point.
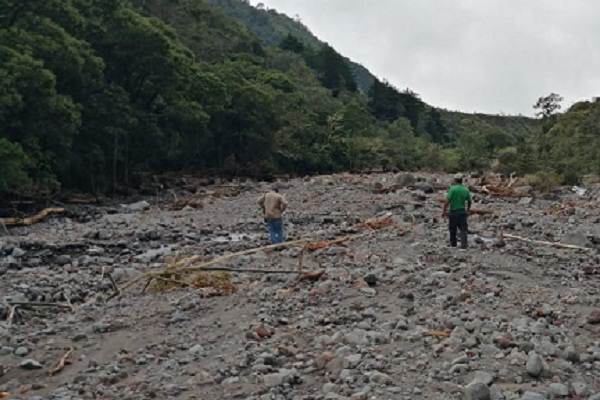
(548, 105)
(13, 175)
(334, 72)
(473, 152)
(291, 43)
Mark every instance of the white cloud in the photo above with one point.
(472, 55)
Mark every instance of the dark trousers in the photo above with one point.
(457, 220)
(275, 227)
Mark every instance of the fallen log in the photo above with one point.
(33, 219)
(544, 243)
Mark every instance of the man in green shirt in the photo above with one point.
(458, 200)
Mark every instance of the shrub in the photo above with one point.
(543, 181)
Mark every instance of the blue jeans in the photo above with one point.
(275, 227)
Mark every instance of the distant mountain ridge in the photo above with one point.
(272, 26)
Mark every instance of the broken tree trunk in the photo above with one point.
(32, 220)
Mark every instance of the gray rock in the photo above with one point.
(281, 377)
(198, 348)
(153, 254)
(17, 252)
(21, 351)
(559, 389)
(273, 380)
(101, 327)
(405, 179)
(134, 207)
(63, 259)
(6, 350)
(459, 368)
(335, 366)
(477, 391)
(576, 238)
(380, 378)
(30, 364)
(534, 364)
(570, 354)
(352, 361)
(368, 291)
(79, 337)
(125, 273)
(425, 187)
(483, 377)
(11, 263)
(355, 337)
(329, 388)
(580, 388)
(533, 396)
(178, 316)
(371, 279)
(524, 201)
(4, 332)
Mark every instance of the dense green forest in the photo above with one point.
(272, 27)
(95, 94)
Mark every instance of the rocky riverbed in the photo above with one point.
(397, 314)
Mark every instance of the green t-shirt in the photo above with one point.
(458, 196)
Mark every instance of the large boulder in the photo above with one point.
(405, 180)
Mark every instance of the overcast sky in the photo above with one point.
(493, 56)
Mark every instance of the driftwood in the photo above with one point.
(322, 245)
(60, 365)
(106, 272)
(313, 276)
(14, 305)
(188, 265)
(544, 243)
(33, 219)
(480, 212)
(194, 201)
(497, 191)
(565, 206)
(204, 266)
(380, 223)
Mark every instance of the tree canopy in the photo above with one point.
(95, 94)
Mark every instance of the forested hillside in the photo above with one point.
(273, 27)
(95, 94)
